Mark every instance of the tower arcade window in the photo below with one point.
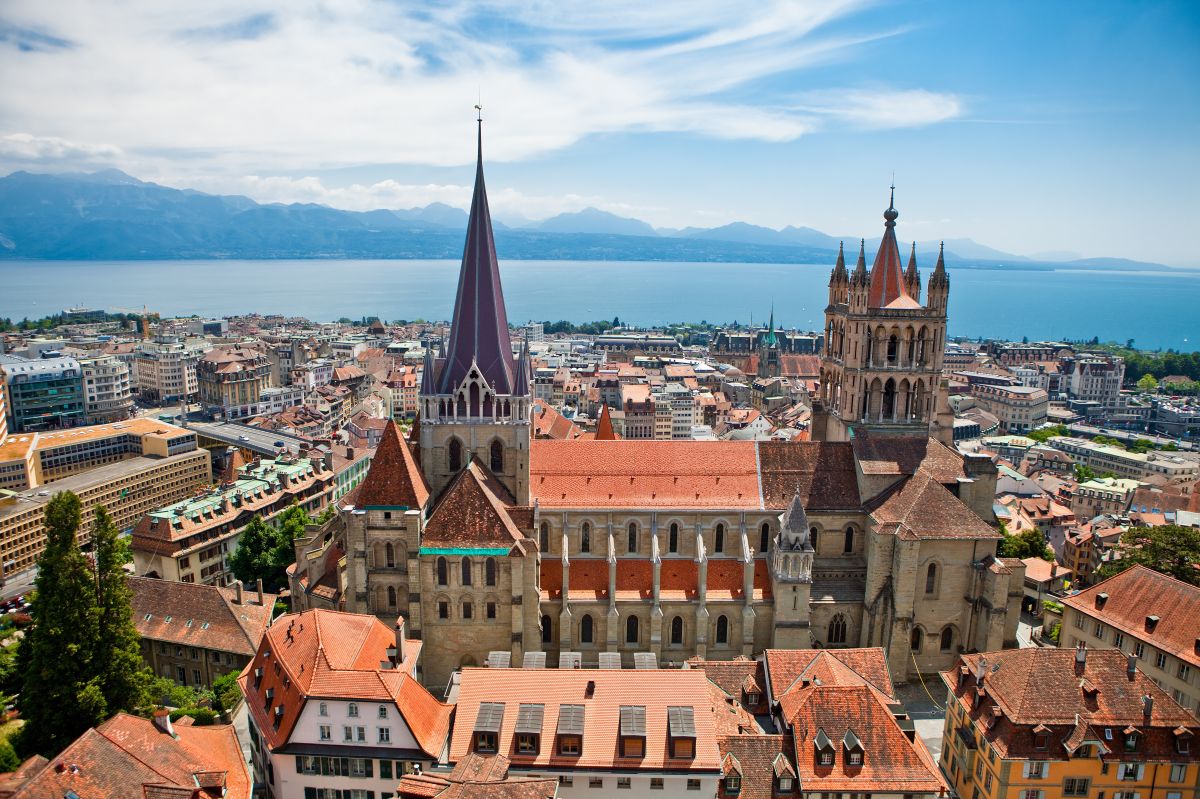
(455, 454)
(673, 538)
(496, 457)
(837, 629)
(722, 630)
(931, 579)
(586, 631)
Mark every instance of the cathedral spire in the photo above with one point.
(887, 275)
(912, 275)
(860, 269)
(479, 332)
(770, 340)
(839, 269)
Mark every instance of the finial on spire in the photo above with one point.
(891, 213)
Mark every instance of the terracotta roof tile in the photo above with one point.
(470, 514)
(921, 507)
(1139, 592)
(752, 757)
(823, 473)
(785, 667)
(394, 479)
(202, 616)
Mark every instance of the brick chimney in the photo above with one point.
(162, 720)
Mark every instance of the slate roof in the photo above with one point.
(822, 472)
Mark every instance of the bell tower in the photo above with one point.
(475, 399)
(881, 367)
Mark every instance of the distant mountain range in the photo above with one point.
(109, 215)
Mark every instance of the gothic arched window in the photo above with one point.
(722, 630)
(544, 538)
(916, 639)
(632, 543)
(390, 554)
(585, 538)
(496, 460)
(466, 571)
(848, 544)
(547, 630)
(489, 571)
(719, 539)
(631, 630)
(673, 538)
(391, 596)
(837, 629)
(455, 454)
(931, 579)
(441, 571)
(677, 630)
(585, 629)
(947, 639)
(764, 538)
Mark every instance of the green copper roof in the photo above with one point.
(464, 550)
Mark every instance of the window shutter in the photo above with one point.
(1025, 769)
(370, 767)
(1141, 770)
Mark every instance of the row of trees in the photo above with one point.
(81, 659)
(54, 320)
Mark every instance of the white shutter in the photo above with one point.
(1025, 769)
(1141, 771)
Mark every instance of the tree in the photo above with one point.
(265, 552)
(118, 654)
(1025, 544)
(8, 757)
(1147, 384)
(1083, 473)
(1171, 549)
(61, 697)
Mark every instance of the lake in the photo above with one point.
(1155, 309)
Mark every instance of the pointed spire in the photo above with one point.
(860, 269)
(479, 330)
(428, 378)
(394, 480)
(839, 269)
(604, 427)
(887, 275)
(521, 379)
(939, 278)
(770, 340)
(795, 523)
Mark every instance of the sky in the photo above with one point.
(1033, 127)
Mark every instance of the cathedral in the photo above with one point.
(874, 533)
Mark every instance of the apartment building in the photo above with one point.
(1050, 723)
(128, 489)
(335, 707)
(1104, 495)
(191, 540)
(194, 634)
(43, 394)
(1095, 377)
(1019, 408)
(231, 380)
(107, 389)
(1149, 616)
(166, 369)
(1164, 467)
(598, 731)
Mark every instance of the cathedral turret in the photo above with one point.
(859, 281)
(912, 275)
(939, 282)
(791, 565)
(839, 278)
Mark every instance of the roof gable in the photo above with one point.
(394, 480)
(469, 514)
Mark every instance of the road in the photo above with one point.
(18, 584)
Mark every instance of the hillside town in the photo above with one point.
(472, 558)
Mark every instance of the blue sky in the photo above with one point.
(1029, 126)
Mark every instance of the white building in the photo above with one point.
(166, 369)
(335, 707)
(107, 389)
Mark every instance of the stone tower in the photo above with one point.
(768, 356)
(475, 399)
(881, 368)
(791, 563)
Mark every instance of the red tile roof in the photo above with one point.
(753, 758)
(628, 473)
(324, 653)
(822, 472)
(920, 507)
(470, 513)
(394, 479)
(549, 423)
(203, 616)
(477, 777)
(1046, 686)
(1139, 592)
(127, 756)
(552, 688)
(604, 427)
(786, 668)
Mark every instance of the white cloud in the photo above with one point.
(238, 87)
(27, 148)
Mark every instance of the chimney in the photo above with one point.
(1080, 656)
(237, 586)
(590, 691)
(1151, 623)
(1147, 706)
(349, 453)
(260, 591)
(401, 644)
(1053, 570)
(162, 720)
(1131, 666)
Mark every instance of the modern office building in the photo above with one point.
(44, 394)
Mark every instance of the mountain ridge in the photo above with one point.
(110, 215)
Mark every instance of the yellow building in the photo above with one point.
(129, 489)
(1049, 723)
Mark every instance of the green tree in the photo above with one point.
(249, 561)
(9, 761)
(118, 655)
(1025, 544)
(1147, 384)
(61, 697)
(226, 692)
(264, 552)
(1171, 549)
(1083, 473)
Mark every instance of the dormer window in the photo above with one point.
(632, 730)
(784, 784)
(1131, 739)
(733, 784)
(569, 734)
(753, 697)
(487, 727)
(1041, 736)
(824, 749)
(854, 749)
(529, 728)
(681, 727)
